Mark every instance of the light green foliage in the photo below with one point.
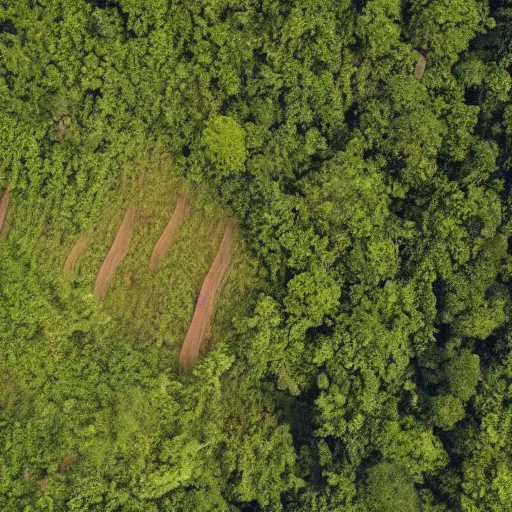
(447, 410)
(409, 440)
(359, 356)
(224, 143)
(487, 470)
(444, 29)
(379, 27)
(311, 296)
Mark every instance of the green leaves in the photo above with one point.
(224, 145)
(379, 27)
(447, 410)
(388, 487)
(374, 360)
(464, 374)
(311, 296)
(444, 29)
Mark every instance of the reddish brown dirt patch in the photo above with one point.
(61, 129)
(115, 255)
(67, 461)
(420, 67)
(4, 205)
(77, 250)
(42, 483)
(206, 301)
(180, 213)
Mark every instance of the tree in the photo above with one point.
(388, 488)
(223, 140)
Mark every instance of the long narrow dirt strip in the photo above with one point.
(180, 213)
(115, 255)
(4, 205)
(77, 250)
(206, 301)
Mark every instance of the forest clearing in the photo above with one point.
(206, 301)
(205, 305)
(139, 290)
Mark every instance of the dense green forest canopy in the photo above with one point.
(361, 355)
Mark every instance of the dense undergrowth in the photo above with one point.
(363, 356)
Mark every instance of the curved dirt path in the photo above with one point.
(4, 205)
(115, 255)
(67, 461)
(77, 250)
(419, 69)
(180, 213)
(206, 301)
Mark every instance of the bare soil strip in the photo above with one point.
(77, 250)
(181, 211)
(419, 69)
(4, 204)
(198, 328)
(61, 129)
(67, 461)
(115, 255)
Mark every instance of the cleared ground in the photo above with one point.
(4, 205)
(180, 213)
(77, 250)
(115, 255)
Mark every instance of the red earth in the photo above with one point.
(180, 213)
(77, 250)
(203, 312)
(115, 255)
(4, 205)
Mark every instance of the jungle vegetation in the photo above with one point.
(361, 354)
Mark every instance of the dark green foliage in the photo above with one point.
(361, 349)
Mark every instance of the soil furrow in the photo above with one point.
(75, 253)
(4, 205)
(203, 312)
(115, 255)
(180, 213)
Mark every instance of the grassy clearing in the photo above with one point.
(150, 306)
